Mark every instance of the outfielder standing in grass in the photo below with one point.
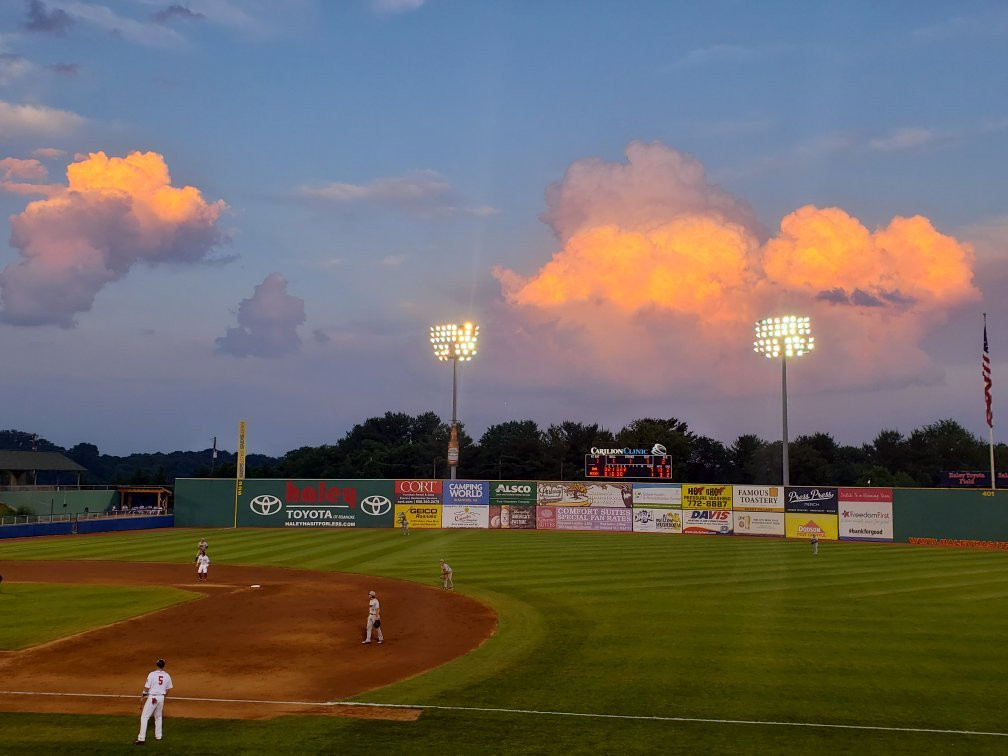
(815, 544)
(404, 523)
(157, 686)
(446, 575)
(373, 618)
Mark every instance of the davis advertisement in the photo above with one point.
(520, 493)
(508, 517)
(418, 492)
(266, 503)
(668, 495)
(420, 516)
(698, 496)
(806, 525)
(585, 518)
(810, 499)
(759, 498)
(657, 520)
(466, 492)
(585, 494)
(759, 523)
(865, 521)
(707, 522)
(465, 516)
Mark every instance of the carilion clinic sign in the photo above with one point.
(307, 503)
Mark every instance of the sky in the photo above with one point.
(225, 210)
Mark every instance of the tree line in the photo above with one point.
(399, 445)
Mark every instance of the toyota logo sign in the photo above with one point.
(265, 505)
(375, 505)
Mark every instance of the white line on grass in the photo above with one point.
(501, 710)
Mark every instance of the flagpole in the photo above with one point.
(987, 398)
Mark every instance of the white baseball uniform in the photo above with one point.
(374, 613)
(202, 565)
(158, 684)
(446, 573)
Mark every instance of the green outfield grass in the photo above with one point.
(634, 625)
(33, 613)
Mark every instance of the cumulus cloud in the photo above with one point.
(267, 322)
(112, 214)
(15, 168)
(36, 121)
(654, 260)
(41, 19)
(421, 193)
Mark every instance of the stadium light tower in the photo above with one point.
(456, 343)
(784, 337)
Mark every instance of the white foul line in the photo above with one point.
(501, 710)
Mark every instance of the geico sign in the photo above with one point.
(423, 510)
(418, 486)
(320, 494)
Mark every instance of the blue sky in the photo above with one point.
(366, 169)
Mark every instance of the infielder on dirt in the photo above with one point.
(202, 566)
(373, 619)
(446, 575)
(158, 684)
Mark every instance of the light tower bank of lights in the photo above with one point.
(456, 343)
(784, 337)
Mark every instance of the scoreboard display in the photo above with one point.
(629, 466)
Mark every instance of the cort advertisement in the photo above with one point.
(466, 492)
(585, 494)
(806, 525)
(315, 503)
(698, 496)
(420, 516)
(465, 516)
(759, 499)
(667, 495)
(585, 518)
(759, 523)
(865, 521)
(810, 499)
(521, 493)
(707, 522)
(508, 517)
(418, 492)
(657, 520)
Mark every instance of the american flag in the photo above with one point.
(987, 378)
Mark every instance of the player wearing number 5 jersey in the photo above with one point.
(374, 619)
(157, 686)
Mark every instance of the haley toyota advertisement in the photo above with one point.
(315, 503)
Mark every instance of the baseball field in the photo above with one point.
(551, 643)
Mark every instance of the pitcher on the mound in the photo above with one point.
(373, 619)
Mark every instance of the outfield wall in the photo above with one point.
(977, 518)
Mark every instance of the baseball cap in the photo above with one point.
(160, 662)
(371, 593)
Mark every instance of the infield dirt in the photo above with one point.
(296, 639)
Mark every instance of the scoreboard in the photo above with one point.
(630, 466)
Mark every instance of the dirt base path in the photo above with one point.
(295, 639)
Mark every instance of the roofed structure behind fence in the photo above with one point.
(18, 468)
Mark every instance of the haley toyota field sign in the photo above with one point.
(315, 503)
(758, 523)
(657, 520)
(759, 498)
(707, 521)
(668, 495)
(465, 516)
(585, 494)
(466, 492)
(585, 518)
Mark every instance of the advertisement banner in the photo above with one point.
(418, 491)
(465, 516)
(707, 522)
(420, 516)
(810, 499)
(865, 520)
(759, 499)
(585, 494)
(275, 503)
(667, 495)
(806, 525)
(759, 523)
(657, 520)
(879, 495)
(508, 517)
(585, 518)
(520, 493)
(700, 496)
(466, 492)
(966, 479)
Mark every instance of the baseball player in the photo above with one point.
(404, 523)
(202, 566)
(373, 618)
(815, 544)
(157, 686)
(446, 575)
